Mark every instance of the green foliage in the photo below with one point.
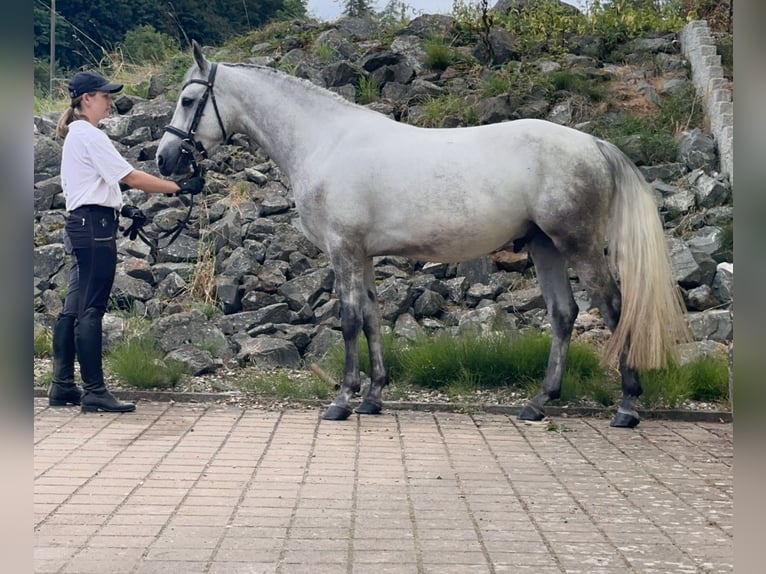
(292, 9)
(467, 14)
(42, 81)
(618, 21)
(394, 15)
(566, 80)
(144, 44)
(543, 27)
(369, 89)
(436, 110)
(356, 8)
(86, 32)
(655, 132)
(174, 71)
(43, 343)
(472, 360)
(325, 53)
(524, 78)
(138, 361)
(461, 364)
(282, 385)
(547, 25)
(704, 379)
(439, 55)
(682, 111)
(708, 379)
(555, 427)
(496, 84)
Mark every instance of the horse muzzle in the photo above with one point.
(174, 164)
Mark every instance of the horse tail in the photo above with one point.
(652, 321)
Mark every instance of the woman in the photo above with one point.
(91, 172)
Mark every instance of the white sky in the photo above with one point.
(331, 9)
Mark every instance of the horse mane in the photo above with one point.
(302, 82)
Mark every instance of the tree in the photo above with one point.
(356, 8)
(87, 31)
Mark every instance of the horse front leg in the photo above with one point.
(349, 283)
(373, 402)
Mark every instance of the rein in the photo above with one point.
(188, 147)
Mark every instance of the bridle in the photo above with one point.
(189, 146)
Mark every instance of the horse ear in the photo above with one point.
(199, 57)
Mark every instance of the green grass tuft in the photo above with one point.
(471, 360)
(704, 379)
(138, 362)
(439, 55)
(43, 344)
(461, 364)
(281, 385)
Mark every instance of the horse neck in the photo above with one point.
(289, 117)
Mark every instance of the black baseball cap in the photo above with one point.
(90, 81)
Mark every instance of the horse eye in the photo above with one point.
(186, 102)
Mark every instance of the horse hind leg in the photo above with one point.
(551, 268)
(600, 284)
(373, 403)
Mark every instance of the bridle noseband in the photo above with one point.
(188, 147)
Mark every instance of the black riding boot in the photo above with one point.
(96, 396)
(63, 390)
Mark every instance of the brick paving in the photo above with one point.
(184, 488)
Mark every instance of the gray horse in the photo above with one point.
(366, 186)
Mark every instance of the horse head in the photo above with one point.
(192, 128)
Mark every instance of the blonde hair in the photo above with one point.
(71, 114)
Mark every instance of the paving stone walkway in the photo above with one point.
(183, 488)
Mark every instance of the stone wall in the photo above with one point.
(698, 46)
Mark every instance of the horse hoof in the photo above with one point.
(336, 413)
(531, 413)
(625, 420)
(369, 407)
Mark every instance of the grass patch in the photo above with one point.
(495, 85)
(652, 136)
(138, 362)
(325, 53)
(705, 379)
(439, 55)
(460, 365)
(369, 90)
(568, 81)
(470, 361)
(43, 344)
(281, 385)
(437, 109)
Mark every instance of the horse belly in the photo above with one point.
(451, 239)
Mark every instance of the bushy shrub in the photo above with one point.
(439, 54)
(144, 44)
(544, 26)
(618, 21)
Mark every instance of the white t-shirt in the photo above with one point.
(91, 168)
